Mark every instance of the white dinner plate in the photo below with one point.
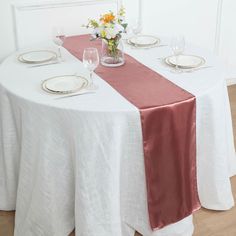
(186, 61)
(64, 84)
(143, 40)
(40, 56)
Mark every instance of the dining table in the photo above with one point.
(78, 162)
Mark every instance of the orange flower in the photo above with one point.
(107, 18)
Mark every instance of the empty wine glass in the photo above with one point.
(59, 37)
(91, 62)
(134, 28)
(177, 45)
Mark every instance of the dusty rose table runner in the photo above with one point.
(168, 116)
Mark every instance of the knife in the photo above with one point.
(74, 94)
(45, 64)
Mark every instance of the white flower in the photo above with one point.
(121, 18)
(111, 33)
(118, 27)
(96, 31)
(108, 36)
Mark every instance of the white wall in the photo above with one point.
(6, 29)
(35, 21)
(35, 17)
(227, 47)
(197, 19)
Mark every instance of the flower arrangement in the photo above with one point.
(109, 28)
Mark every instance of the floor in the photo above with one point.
(207, 223)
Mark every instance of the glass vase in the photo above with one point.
(112, 54)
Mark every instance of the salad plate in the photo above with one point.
(36, 57)
(64, 84)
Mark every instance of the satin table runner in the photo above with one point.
(168, 117)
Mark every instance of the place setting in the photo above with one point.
(38, 57)
(180, 62)
(144, 41)
(65, 86)
(45, 57)
(137, 40)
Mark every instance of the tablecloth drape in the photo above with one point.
(40, 167)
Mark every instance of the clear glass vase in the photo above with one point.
(112, 54)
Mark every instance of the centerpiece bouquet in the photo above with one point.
(109, 28)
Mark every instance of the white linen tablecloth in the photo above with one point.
(79, 161)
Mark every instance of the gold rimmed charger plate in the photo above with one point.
(186, 61)
(57, 85)
(46, 56)
(139, 41)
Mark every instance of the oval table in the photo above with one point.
(78, 161)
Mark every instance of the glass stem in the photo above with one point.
(135, 44)
(59, 52)
(176, 61)
(91, 77)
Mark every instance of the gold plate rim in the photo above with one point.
(43, 85)
(158, 41)
(54, 56)
(203, 61)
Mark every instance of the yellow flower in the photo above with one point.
(103, 33)
(121, 11)
(110, 42)
(107, 18)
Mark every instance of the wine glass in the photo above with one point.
(177, 46)
(91, 62)
(59, 37)
(135, 28)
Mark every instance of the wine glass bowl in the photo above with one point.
(59, 40)
(136, 28)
